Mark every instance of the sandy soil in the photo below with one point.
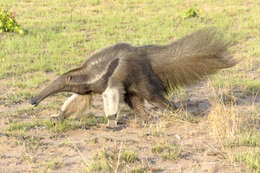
(72, 151)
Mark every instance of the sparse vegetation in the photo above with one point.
(58, 126)
(167, 151)
(232, 127)
(71, 124)
(8, 22)
(62, 34)
(23, 126)
(191, 12)
(54, 164)
(252, 159)
(101, 163)
(250, 137)
(225, 122)
(113, 160)
(129, 157)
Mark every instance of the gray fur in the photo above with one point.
(148, 72)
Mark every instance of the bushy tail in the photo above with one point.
(191, 58)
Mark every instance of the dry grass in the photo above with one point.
(63, 33)
(224, 122)
(236, 128)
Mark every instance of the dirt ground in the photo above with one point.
(74, 150)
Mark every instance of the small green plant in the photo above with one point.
(32, 143)
(8, 23)
(190, 13)
(94, 2)
(112, 160)
(129, 157)
(252, 160)
(23, 126)
(140, 169)
(250, 138)
(101, 162)
(54, 164)
(19, 96)
(61, 126)
(167, 151)
(185, 116)
(72, 124)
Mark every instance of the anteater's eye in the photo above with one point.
(69, 78)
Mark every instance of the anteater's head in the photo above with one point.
(83, 80)
(73, 81)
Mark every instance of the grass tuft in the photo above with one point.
(167, 151)
(101, 162)
(224, 122)
(190, 13)
(252, 160)
(115, 160)
(129, 157)
(23, 126)
(57, 126)
(54, 164)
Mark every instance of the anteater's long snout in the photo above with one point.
(53, 88)
(34, 102)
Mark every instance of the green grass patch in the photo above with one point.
(101, 163)
(113, 160)
(8, 22)
(32, 143)
(252, 87)
(54, 164)
(56, 126)
(191, 12)
(140, 169)
(23, 126)
(93, 2)
(19, 97)
(184, 115)
(63, 34)
(250, 138)
(167, 151)
(129, 157)
(251, 159)
(71, 124)
(247, 86)
(29, 81)
(61, 39)
(34, 110)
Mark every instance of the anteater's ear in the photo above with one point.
(69, 78)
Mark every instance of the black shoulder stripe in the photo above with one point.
(111, 68)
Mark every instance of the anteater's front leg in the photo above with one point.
(74, 106)
(111, 99)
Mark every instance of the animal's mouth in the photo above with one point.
(34, 102)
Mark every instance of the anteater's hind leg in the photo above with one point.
(155, 96)
(161, 102)
(74, 106)
(137, 104)
(151, 88)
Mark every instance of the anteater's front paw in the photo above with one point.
(57, 117)
(111, 124)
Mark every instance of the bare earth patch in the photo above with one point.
(216, 129)
(39, 149)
